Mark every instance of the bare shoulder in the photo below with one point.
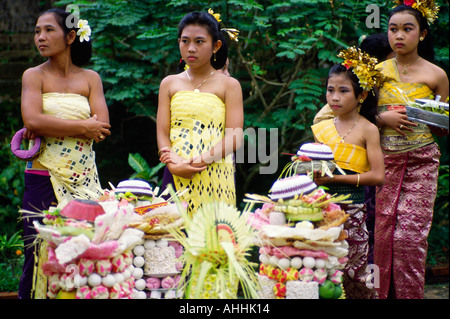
(438, 72)
(32, 72)
(90, 75)
(370, 130)
(33, 77)
(169, 79)
(231, 82)
(232, 86)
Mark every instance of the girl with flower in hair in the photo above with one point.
(404, 204)
(64, 105)
(353, 137)
(200, 115)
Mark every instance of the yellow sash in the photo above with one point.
(347, 156)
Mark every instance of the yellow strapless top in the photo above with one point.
(390, 99)
(197, 124)
(347, 156)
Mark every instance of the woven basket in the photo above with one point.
(316, 165)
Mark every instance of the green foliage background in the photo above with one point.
(281, 60)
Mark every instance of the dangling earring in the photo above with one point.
(214, 56)
(421, 38)
(361, 101)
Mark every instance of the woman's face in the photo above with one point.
(196, 45)
(404, 33)
(49, 37)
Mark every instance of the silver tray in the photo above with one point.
(427, 117)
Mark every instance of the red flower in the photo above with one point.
(347, 64)
(409, 3)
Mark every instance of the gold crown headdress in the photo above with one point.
(363, 66)
(232, 33)
(428, 8)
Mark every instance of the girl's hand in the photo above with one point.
(198, 161)
(321, 180)
(184, 169)
(178, 165)
(168, 156)
(398, 120)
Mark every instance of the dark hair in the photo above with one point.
(212, 25)
(425, 47)
(377, 46)
(80, 52)
(369, 106)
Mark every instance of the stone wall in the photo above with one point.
(17, 53)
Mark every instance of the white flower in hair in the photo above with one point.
(84, 30)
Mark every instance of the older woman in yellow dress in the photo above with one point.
(64, 104)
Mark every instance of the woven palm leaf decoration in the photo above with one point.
(216, 241)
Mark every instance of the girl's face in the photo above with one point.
(340, 94)
(404, 33)
(49, 37)
(196, 45)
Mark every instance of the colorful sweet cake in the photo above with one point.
(157, 270)
(160, 260)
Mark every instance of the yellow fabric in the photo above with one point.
(197, 124)
(70, 161)
(390, 99)
(347, 156)
(324, 113)
(40, 281)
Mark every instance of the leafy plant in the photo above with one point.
(11, 261)
(11, 188)
(142, 169)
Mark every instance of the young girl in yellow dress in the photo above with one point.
(404, 205)
(200, 115)
(354, 140)
(64, 104)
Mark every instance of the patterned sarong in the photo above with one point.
(356, 280)
(197, 125)
(404, 211)
(70, 161)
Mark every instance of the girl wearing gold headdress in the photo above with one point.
(404, 204)
(200, 115)
(354, 140)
